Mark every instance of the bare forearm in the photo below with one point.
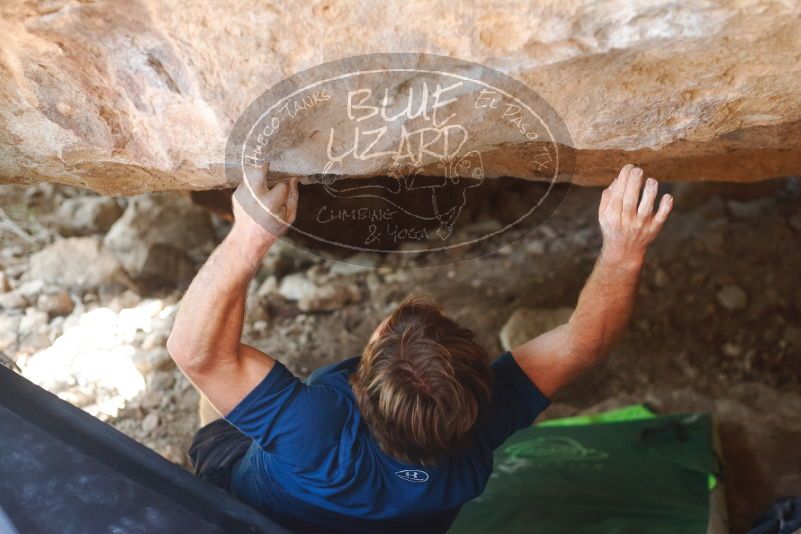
(605, 305)
(554, 358)
(209, 322)
(206, 338)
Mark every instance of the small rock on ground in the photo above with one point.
(154, 359)
(330, 297)
(296, 286)
(150, 422)
(55, 304)
(78, 263)
(733, 298)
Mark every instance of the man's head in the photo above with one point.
(422, 383)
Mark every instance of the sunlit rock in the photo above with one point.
(143, 98)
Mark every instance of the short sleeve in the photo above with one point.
(287, 418)
(516, 402)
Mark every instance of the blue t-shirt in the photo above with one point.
(314, 465)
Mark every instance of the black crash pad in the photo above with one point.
(64, 471)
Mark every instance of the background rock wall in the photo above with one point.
(139, 96)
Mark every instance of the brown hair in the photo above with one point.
(422, 384)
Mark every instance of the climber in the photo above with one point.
(395, 440)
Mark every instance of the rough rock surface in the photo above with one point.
(56, 303)
(153, 237)
(86, 215)
(79, 263)
(130, 100)
(331, 295)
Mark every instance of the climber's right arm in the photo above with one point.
(205, 341)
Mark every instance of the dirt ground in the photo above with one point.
(716, 328)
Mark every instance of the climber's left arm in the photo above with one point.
(205, 341)
(629, 225)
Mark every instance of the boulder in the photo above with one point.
(87, 215)
(330, 295)
(77, 263)
(528, 323)
(154, 236)
(125, 101)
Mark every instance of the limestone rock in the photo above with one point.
(161, 381)
(528, 323)
(329, 297)
(149, 361)
(152, 238)
(150, 422)
(32, 322)
(78, 263)
(125, 101)
(86, 215)
(56, 303)
(13, 300)
(296, 286)
(733, 298)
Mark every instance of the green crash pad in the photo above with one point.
(626, 471)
